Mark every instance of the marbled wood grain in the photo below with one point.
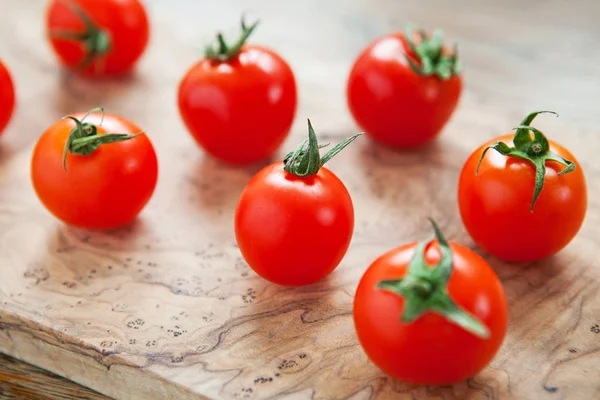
(167, 308)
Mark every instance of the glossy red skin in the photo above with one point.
(126, 21)
(495, 205)
(240, 111)
(391, 103)
(7, 96)
(104, 190)
(294, 231)
(431, 350)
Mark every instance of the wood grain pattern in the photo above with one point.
(22, 381)
(166, 308)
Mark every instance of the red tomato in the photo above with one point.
(413, 304)
(95, 37)
(294, 222)
(239, 102)
(7, 96)
(403, 95)
(106, 180)
(498, 205)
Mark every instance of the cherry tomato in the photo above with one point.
(431, 312)
(104, 179)
(239, 102)
(7, 96)
(510, 211)
(96, 38)
(403, 92)
(294, 220)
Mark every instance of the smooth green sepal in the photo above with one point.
(425, 288)
(535, 150)
(95, 40)
(430, 53)
(84, 138)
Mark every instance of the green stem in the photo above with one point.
(223, 52)
(306, 160)
(430, 55)
(95, 40)
(84, 138)
(425, 288)
(535, 150)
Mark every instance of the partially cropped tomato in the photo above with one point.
(294, 220)
(94, 171)
(7, 96)
(403, 88)
(96, 38)
(239, 101)
(431, 312)
(524, 200)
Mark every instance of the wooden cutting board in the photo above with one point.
(167, 309)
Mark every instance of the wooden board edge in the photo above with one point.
(82, 368)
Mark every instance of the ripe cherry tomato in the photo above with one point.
(295, 219)
(430, 312)
(238, 102)
(403, 92)
(525, 202)
(90, 177)
(98, 38)
(7, 96)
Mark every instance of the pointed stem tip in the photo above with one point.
(224, 52)
(306, 160)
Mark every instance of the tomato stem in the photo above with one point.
(224, 52)
(430, 54)
(536, 150)
(84, 138)
(425, 288)
(306, 160)
(95, 40)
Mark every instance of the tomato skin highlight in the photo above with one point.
(7, 96)
(430, 350)
(294, 231)
(391, 103)
(104, 190)
(495, 204)
(239, 111)
(125, 21)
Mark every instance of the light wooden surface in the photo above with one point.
(166, 308)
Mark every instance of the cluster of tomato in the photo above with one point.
(422, 301)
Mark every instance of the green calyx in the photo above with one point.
(95, 40)
(536, 150)
(425, 289)
(430, 53)
(84, 138)
(306, 160)
(222, 52)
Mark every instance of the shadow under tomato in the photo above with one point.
(83, 263)
(5, 152)
(215, 186)
(135, 236)
(374, 154)
(405, 187)
(539, 277)
(75, 93)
